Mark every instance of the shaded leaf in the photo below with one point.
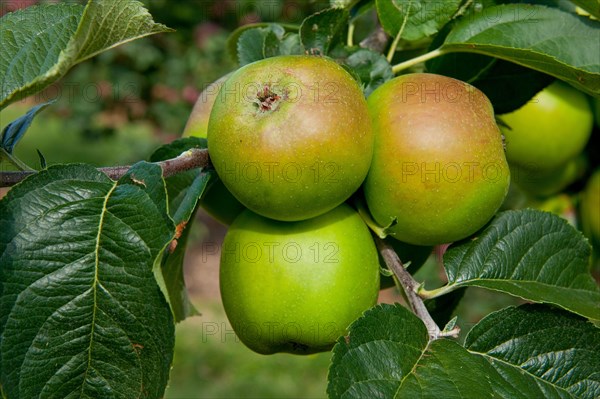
(320, 32)
(15, 130)
(591, 6)
(184, 191)
(372, 69)
(546, 39)
(80, 308)
(508, 86)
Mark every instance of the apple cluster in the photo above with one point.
(295, 145)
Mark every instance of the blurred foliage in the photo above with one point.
(158, 79)
(211, 362)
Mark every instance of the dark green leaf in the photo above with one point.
(535, 255)
(540, 352)
(517, 353)
(41, 43)
(548, 40)
(423, 18)
(442, 308)
(372, 68)
(508, 86)
(320, 32)
(591, 6)
(382, 348)
(81, 312)
(184, 190)
(15, 130)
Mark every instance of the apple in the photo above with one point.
(296, 286)
(544, 183)
(589, 211)
(548, 131)
(197, 123)
(217, 201)
(597, 110)
(290, 136)
(439, 172)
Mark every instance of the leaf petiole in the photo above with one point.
(417, 60)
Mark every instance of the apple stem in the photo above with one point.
(190, 159)
(417, 60)
(409, 286)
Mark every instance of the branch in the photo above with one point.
(410, 286)
(190, 159)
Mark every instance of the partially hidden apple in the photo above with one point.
(290, 136)
(217, 201)
(296, 286)
(548, 131)
(439, 172)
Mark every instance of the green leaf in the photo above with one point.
(535, 255)
(522, 353)
(591, 6)
(424, 18)
(545, 39)
(232, 41)
(372, 68)
(184, 190)
(540, 352)
(41, 43)
(442, 308)
(259, 43)
(15, 130)
(382, 348)
(81, 312)
(321, 31)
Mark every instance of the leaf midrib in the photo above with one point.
(96, 282)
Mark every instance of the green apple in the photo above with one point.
(197, 123)
(544, 183)
(296, 286)
(552, 128)
(290, 136)
(589, 211)
(217, 201)
(597, 110)
(438, 172)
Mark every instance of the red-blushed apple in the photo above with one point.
(290, 136)
(439, 172)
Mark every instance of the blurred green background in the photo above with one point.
(117, 107)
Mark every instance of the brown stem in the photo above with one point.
(191, 159)
(409, 285)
